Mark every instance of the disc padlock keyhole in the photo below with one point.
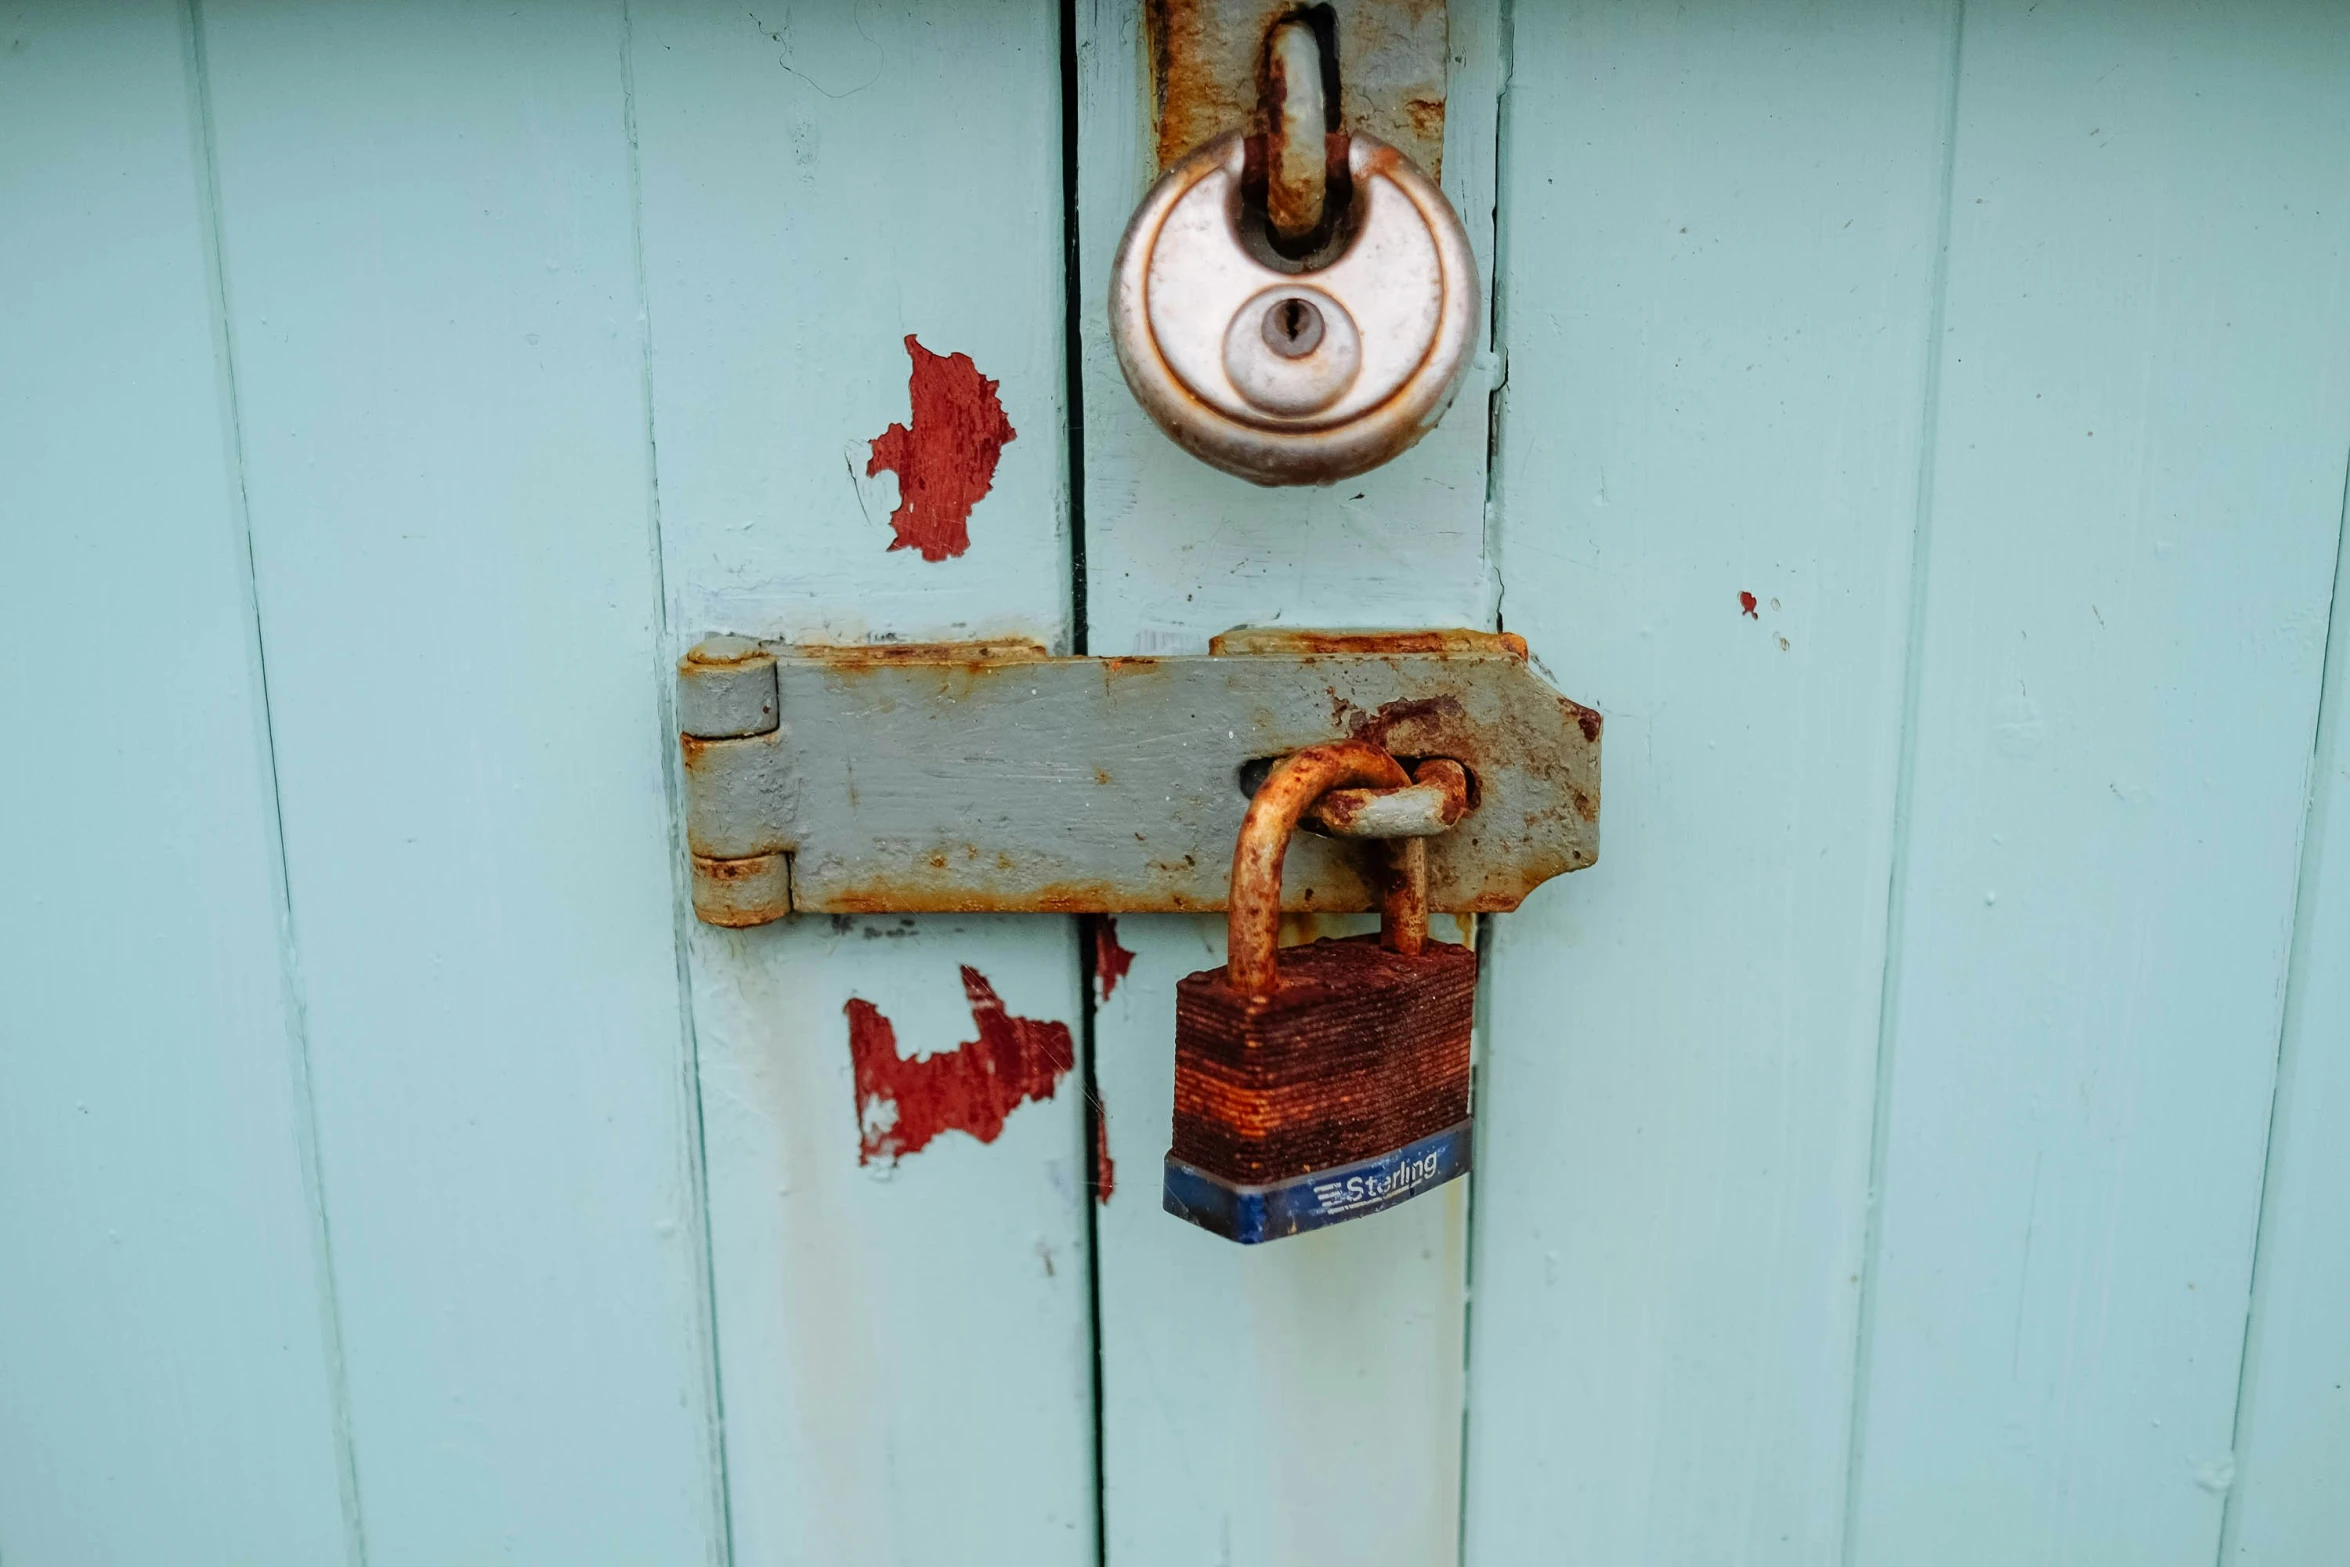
(1293, 328)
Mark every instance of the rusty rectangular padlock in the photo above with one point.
(1334, 1083)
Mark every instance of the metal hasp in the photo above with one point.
(991, 777)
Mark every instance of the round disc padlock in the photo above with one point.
(1294, 377)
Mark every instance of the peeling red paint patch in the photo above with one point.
(945, 458)
(1110, 961)
(1105, 1173)
(902, 1104)
(1746, 605)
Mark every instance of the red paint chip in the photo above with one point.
(945, 457)
(1105, 1173)
(1110, 961)
(1745, 601)
(902, 1104)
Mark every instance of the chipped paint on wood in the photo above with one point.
(1105, 1169)
(903, 1103)
(1110, 961)
(945, 457)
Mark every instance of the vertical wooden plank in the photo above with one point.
(167, 1393)
(906, 1350)
(1176, 551)
(2137, 491)
(1296, 1402)
(2288, 1503)
(1301, 1401)
(817, 188)
(430, 268)
(1720, 239)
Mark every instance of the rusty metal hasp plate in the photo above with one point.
(989, 777)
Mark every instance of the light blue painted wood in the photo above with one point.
(1720, 236)
(1293, 1402)
(2136, 494)
(2289, 1503)
(458, 347)
(1301, 1401)
(431, 274)
(906, 1354)
(818, 184)
(166, 1382)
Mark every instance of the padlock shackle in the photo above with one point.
(1296, 783)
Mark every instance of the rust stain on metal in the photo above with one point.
(913, 895)
(850, 656)
(1457, 782)
(1206, 56)
(945, 457)
(1408, 717)
(902, 1105)
(1307, 641)
(1194, 92)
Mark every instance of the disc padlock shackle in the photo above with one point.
(1300, 779)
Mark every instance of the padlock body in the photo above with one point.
(1344, 1092)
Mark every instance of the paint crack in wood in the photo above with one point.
(945, 455)
(903, 1104)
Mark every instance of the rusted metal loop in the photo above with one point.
(1299, 116)
(1296, 783)
(1437, 799)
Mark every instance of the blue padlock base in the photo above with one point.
(1320, 1198)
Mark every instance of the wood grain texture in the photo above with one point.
(166, 1387)
(2288, 1503)
(1300, 1401)
(1720, 233)
(431, 276)
(905, 1353)
(2137, 489)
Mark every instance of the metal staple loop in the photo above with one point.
(1297, 125)
(1300, 784)
(1436, 799)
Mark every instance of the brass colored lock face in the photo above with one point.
(1301, 377)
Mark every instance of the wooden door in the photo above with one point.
(1922, 430)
